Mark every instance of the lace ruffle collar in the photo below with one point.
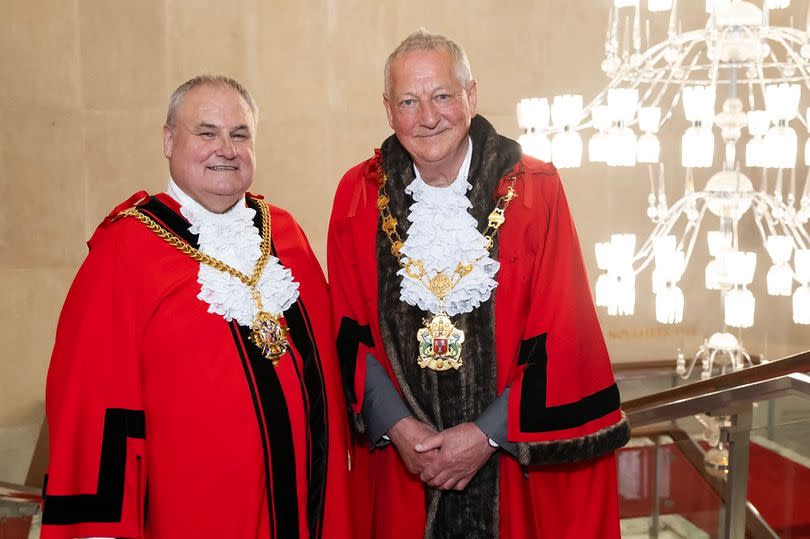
(232, 238)
(443, 234)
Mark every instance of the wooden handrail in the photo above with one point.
(792, 364)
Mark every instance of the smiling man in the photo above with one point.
(193, 389)
(470, 347)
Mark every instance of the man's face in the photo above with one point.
(429, 109)
(210, 147)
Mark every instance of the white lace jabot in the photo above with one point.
(442, 234)
(232, 238)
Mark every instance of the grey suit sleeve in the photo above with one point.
(493, 423)
(382, 404)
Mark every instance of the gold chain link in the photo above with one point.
(203, 258)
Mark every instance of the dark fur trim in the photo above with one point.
(575, 449)
(446, 399)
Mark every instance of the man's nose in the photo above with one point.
(227, 148)
(428, 114)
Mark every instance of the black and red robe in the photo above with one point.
(166, 421)
(537, 335)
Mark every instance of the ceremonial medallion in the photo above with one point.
(440, 344)
(270, 335)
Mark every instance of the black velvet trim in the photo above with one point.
(274, 423)
(107, 504)
(301, 333)
(535, 415)
(349, 336)
(168, 219)
(314, 393)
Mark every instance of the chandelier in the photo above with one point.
(755, 71)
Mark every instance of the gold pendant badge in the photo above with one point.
(440, 344)
(269, 333)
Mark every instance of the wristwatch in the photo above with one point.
(493, 443)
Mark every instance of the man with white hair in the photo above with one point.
(193, 389)
(471, 349)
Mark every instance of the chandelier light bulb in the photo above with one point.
(718, 241)
(624, 246)
(698, 104)
(664, 250)
(598, 147)
(566, 149)
(537, 145)
(739, 308)
(781, 147)
(738, 13)
(779, 248)
(697, 147)
(566, 110)
(780, 280)
(649, 119)
(782, 101)
(720, 3)
(756, 155)
(605, 290)
(715, 277)
(621, 147)
(623, 103)
(659, 5)
(758, 122)
(777, 4)
(801, 305)
(648, 149)
(624, 300)
(669, 305)
(604, 255)
(533, 113)
(741, 266)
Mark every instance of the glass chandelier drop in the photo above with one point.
(754, 71)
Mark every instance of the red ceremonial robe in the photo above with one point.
(167, 422)
(539, 336)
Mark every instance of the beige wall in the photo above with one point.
(84, 86)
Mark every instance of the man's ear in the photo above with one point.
(388, 111)
(472, 96)
(168, 141)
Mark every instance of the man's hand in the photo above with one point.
(463, 450)
(405, 435)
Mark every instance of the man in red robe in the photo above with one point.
(471, 350)
(193, 389)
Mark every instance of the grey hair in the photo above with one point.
(208, 80)
(422, 40)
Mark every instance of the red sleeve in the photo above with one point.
(353, 331)
(564, 407)
(97, 472)
(563, 403)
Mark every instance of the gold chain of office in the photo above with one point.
(268, 331)
(440, 342)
